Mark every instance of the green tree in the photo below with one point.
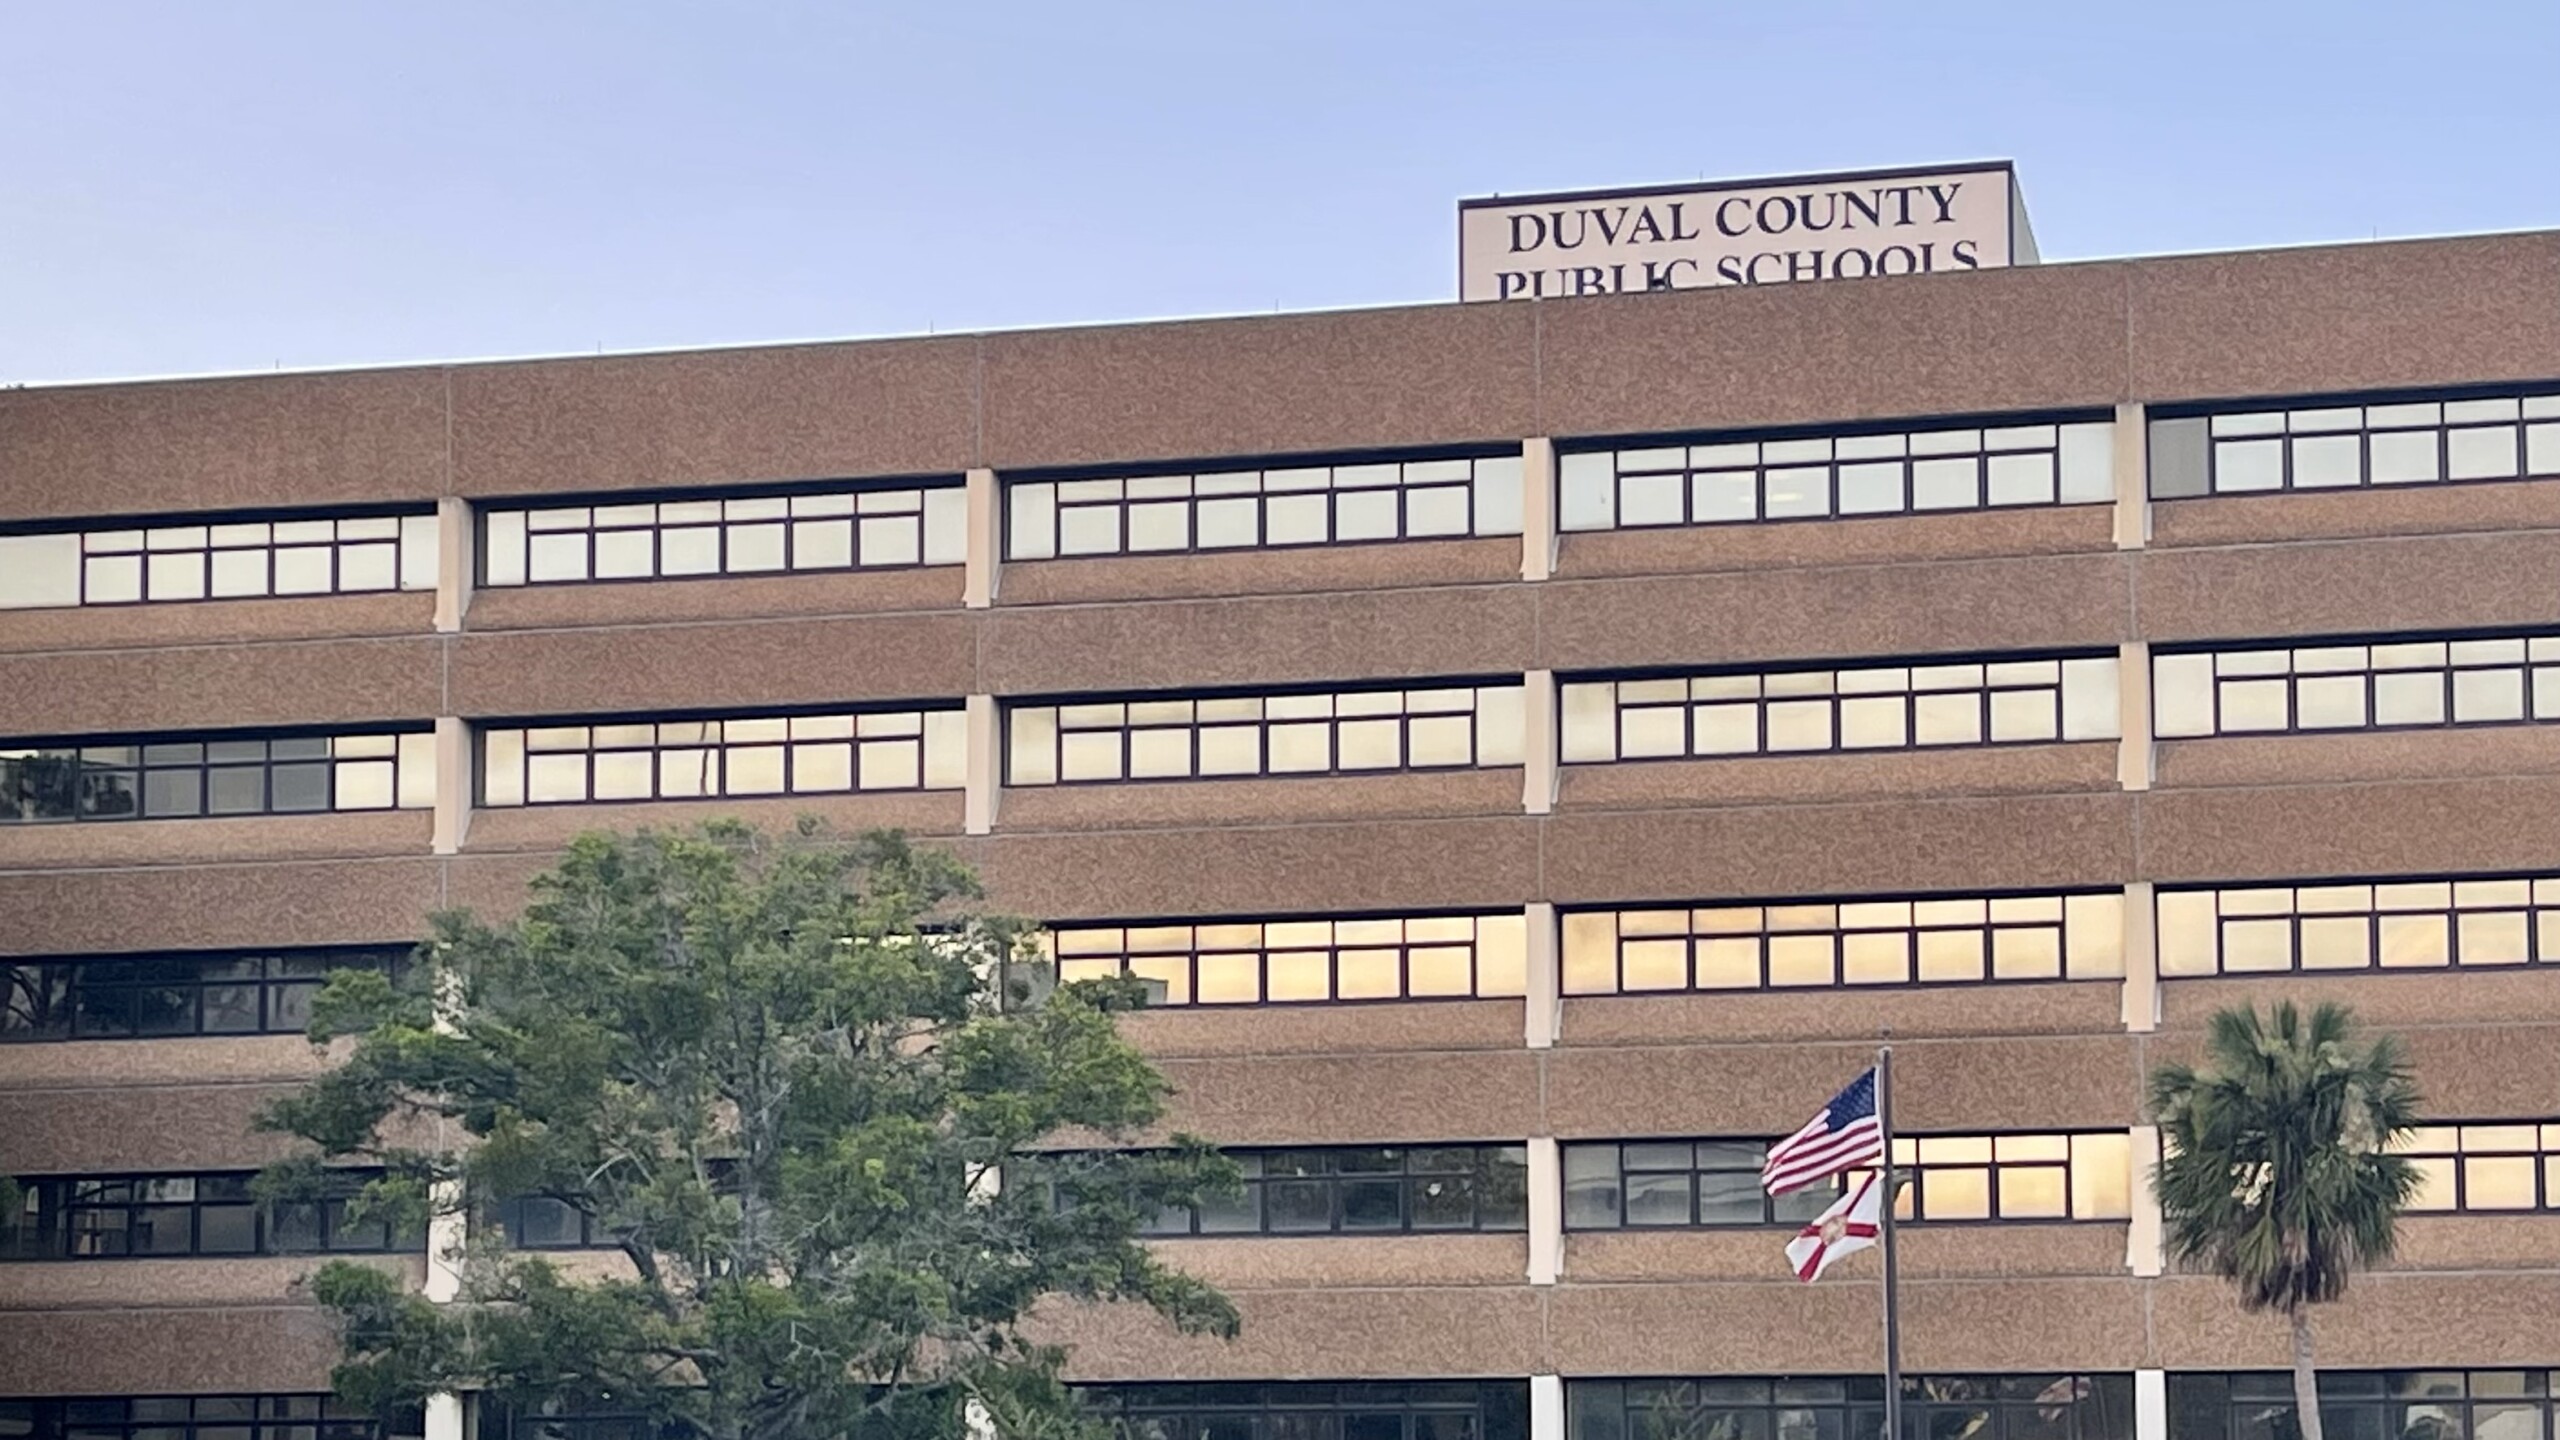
(2276, 1171)
(774, 1075)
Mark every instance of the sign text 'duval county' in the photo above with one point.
(1750, 232)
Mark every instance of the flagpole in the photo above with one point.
(1892, 1280)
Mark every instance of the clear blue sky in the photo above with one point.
(202, 186)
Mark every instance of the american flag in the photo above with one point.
(1845, 1135)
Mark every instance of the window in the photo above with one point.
(2325, 446)
(1246, 962)
(1739, 480)
(2486, 1167)
(2365, 1405)
(121, 997)
(215, 557)
(844, 527)
(1318, 1410)
(2359, 925)
(1918, 940)
(736, 756)
(500, 1421)
(1248, 508)
(1851, 1407)
(197, 1417)
(1324, 733)
(2417, 683)
(223, 773)
(1372, 1189)
(119, 1216)
(1866, 707)
(539, 1222)
(1686, 1184)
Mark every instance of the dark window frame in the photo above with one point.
(1838, 933)
(1783, 1212)
(715, 785)
(271, 1416)
(1832, 700)
(86, 527)
(2259, 1404)
(2532, 910)
(2543, 1160)
(1750, 1407)
(1017, 482)
(56, 1202)
(1688, 471)
(1314, 1410)
(31, 985)
(2284, 407)
(1405, 717)
(528, 506)
(2527, 668)
(1477, 1164)
(1127, 957)
(19, 795)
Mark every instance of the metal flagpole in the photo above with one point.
(1892, 1282)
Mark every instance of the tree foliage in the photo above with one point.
(782, 1100)
(2277, 1172)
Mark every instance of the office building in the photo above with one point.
(1536, 750)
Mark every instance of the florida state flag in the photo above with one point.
(1848, 1227)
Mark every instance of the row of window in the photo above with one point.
(735, 757)
(223, 560)
(1868, 707)
(845, 528)
(1806, 944)
(1825, 476)
(1365, 1190)
(152, 996)
(2408, 683)
(1723, 479)
(180, 777)
(107, 1217)
(197, 1417)
(1419, 957)
(2333, 446)
(1851, 1407)
(1320, 733)
(1657, 1184)
(2202, 1405)
(1824, 944)
(1240, 509)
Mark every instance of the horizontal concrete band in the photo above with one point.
(1763, 1326)
(809, 640)
(128, 1106)
(365, 878)
(2281, 322)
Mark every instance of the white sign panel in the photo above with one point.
(1744, 232)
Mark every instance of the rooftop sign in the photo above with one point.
(1743, 232)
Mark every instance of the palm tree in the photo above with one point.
(2277, 1172)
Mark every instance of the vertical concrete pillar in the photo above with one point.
(1546, 977)
(2141, 958)
(2144, 1253)
(1546, 1210)
(453, 785)
(1537, 508)
(1538, 768)
(983, 782)
(984, 560)
(1546, 1407)
(457, 561)
(2133, 477)
(444, 1417)
(2134, 751)
(2150, 1405)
